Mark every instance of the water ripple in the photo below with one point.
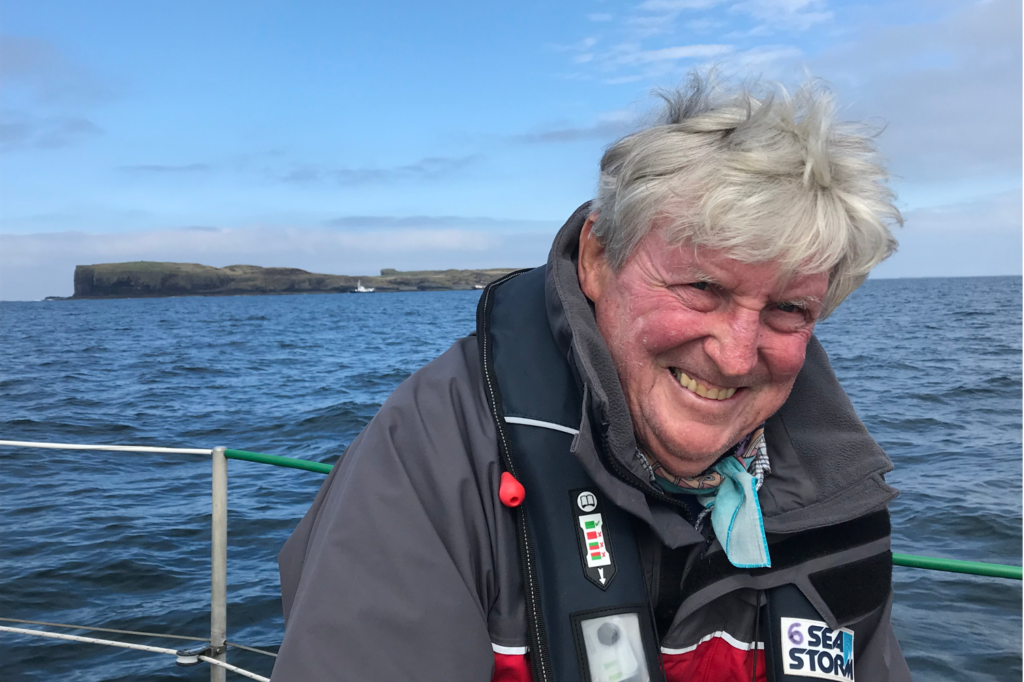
(122, 540)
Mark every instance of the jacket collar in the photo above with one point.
(826, 468)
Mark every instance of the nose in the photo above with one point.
(734, 344)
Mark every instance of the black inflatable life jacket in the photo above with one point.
(578, 552)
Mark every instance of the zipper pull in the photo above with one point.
(510, 491)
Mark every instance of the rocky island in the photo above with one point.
(144, 279)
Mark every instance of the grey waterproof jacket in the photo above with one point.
(406, 565)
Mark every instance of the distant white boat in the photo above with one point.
(478, 286)
(360, 289)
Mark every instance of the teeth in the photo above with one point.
(702, 390)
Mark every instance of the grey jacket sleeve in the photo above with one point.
(391, 575)
(881, 658)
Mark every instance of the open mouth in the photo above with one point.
(694, 386)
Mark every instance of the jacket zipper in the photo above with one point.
(540, 657)
(630, 479)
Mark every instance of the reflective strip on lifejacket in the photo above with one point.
(509, 650)
(541, 424)
(511, 667)
(745, 646)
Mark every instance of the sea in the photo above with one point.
(122, 540)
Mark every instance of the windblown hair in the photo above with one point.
(774, 178)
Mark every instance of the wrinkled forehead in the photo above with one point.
(685, 257)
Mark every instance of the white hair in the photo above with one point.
(771, 178)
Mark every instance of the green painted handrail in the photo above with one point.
(279, 461)
(908, 560)
(958, 566)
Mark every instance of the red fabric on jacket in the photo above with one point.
(511, 668)
(714, 660)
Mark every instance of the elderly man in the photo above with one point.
(641, 467)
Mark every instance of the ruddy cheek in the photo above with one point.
(671, 332)
(785, 360)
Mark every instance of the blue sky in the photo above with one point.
(345, 137)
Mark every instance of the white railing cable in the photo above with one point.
(108, 448)
(234, 669)
(218, 582)
(99, 629)
(128, 645)
(139, 633)
(88, 640)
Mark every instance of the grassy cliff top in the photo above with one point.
(148, 278)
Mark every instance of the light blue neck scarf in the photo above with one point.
(728, 492)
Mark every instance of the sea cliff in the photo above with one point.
(144, 279)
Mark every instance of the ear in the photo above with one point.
(592, 268)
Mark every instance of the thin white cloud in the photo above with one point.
(761, 57)
(702, 25)
(421, 222)
(46, 96)
(968, 239)
(167, 168)
(621, 80)
(428, 169)
(579, 46)
(794, 14)
(999, 212)
(22, 130)
(676, 5)
(649, 25)
(608, 126)
(642, 45)
(674, 53)
(36, 72)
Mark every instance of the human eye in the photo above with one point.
(700, 295)
(791, 316)
(791, 308)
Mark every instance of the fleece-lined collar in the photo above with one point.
(826, 468)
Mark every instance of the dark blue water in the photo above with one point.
(122, 540)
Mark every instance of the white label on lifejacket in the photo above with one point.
(593, 540)
(811, 649)
(586, 501)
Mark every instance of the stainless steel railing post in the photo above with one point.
(219, 564)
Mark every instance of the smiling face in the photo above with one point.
(706, 347)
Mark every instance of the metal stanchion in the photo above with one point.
(219, 565)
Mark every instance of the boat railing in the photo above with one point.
(214, 650)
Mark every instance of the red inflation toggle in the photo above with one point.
(511, 491)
